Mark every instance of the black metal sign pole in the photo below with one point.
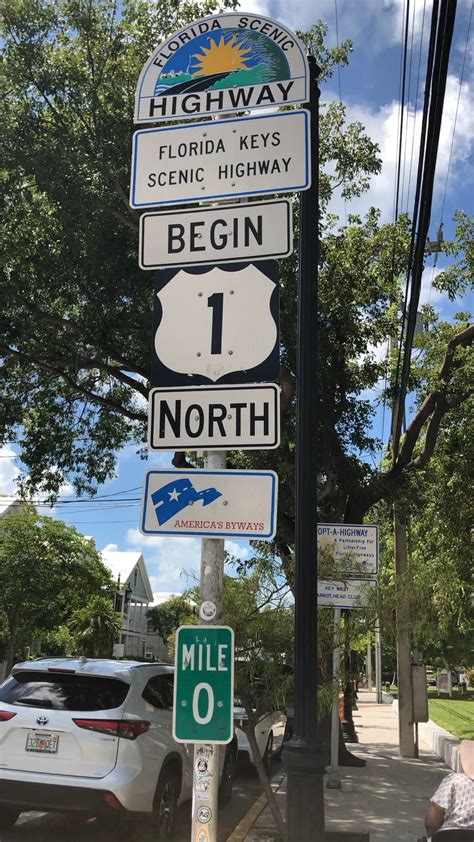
(303, 757)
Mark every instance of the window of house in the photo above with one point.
(159, 691)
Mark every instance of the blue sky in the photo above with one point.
(370, 89)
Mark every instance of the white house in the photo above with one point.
(132, 599)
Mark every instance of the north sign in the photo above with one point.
(354, 546)
(215, 235)
(216, 324)
(222, 63)
(353, 593)
(215, 417)
(214, 504)
(246, 156)
(203, 704)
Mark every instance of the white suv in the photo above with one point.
(94, 737)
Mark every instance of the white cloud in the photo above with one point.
(381, 124)
(173, 562)
(169, 561)
(237, 550)
(9, 472)
(382, 18)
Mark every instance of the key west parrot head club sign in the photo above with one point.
(222, 63)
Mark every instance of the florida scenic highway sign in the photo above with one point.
(216, 324)
(218, 504)
(222, 63)
(210, 235)
(245, 156)
(214, 417)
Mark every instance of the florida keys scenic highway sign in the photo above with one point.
(222, 63)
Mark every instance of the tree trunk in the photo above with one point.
(262, 773)
(13, 630)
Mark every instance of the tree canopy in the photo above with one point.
(47, 570)
(76, 323)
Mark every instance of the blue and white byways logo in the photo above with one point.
(241, 504)
(176, 496)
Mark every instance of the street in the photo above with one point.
(42, 827)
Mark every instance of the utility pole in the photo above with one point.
(407, 745)
(210, 613)
(369, 662)
(303, 756)
(378, 662)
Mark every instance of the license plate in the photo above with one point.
(43, 743)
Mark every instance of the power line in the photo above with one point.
(456, 114)
(440, 45)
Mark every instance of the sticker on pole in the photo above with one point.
(223, 63)
(204, 685)
(216, 504)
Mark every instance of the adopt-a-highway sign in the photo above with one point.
(204, 685)
(212, 504)
(244, 156)
(228, 62)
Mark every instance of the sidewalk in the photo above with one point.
(387, 798)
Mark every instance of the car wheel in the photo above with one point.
(8, 817)
(227, 778)
(268, 755)
(165, 804)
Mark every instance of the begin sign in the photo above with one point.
(204, 685)
(215, 235)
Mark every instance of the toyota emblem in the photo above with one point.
(42, 720)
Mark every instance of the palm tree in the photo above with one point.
(96, 627)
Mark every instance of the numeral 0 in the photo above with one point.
(203, 688)
(216, 302)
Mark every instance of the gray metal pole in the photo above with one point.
(334, 777)
(378, 662)
(405, 685)
(369, 661)
(212, 591)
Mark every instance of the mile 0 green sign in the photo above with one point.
(204, 685)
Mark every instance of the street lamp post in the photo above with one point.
(303, 757)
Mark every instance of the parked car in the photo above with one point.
(95, 737)
(431, 679)
(269, 733)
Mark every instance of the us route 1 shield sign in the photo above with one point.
(204, 685)
(201, 236)
(222, 63)
(246, 156)
(214, 504)
(215, 417)
(216, 325)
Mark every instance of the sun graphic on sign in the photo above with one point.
(222, 57)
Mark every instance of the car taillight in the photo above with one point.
(128, 729)
(5, 715)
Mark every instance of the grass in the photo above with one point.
(456, 715)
